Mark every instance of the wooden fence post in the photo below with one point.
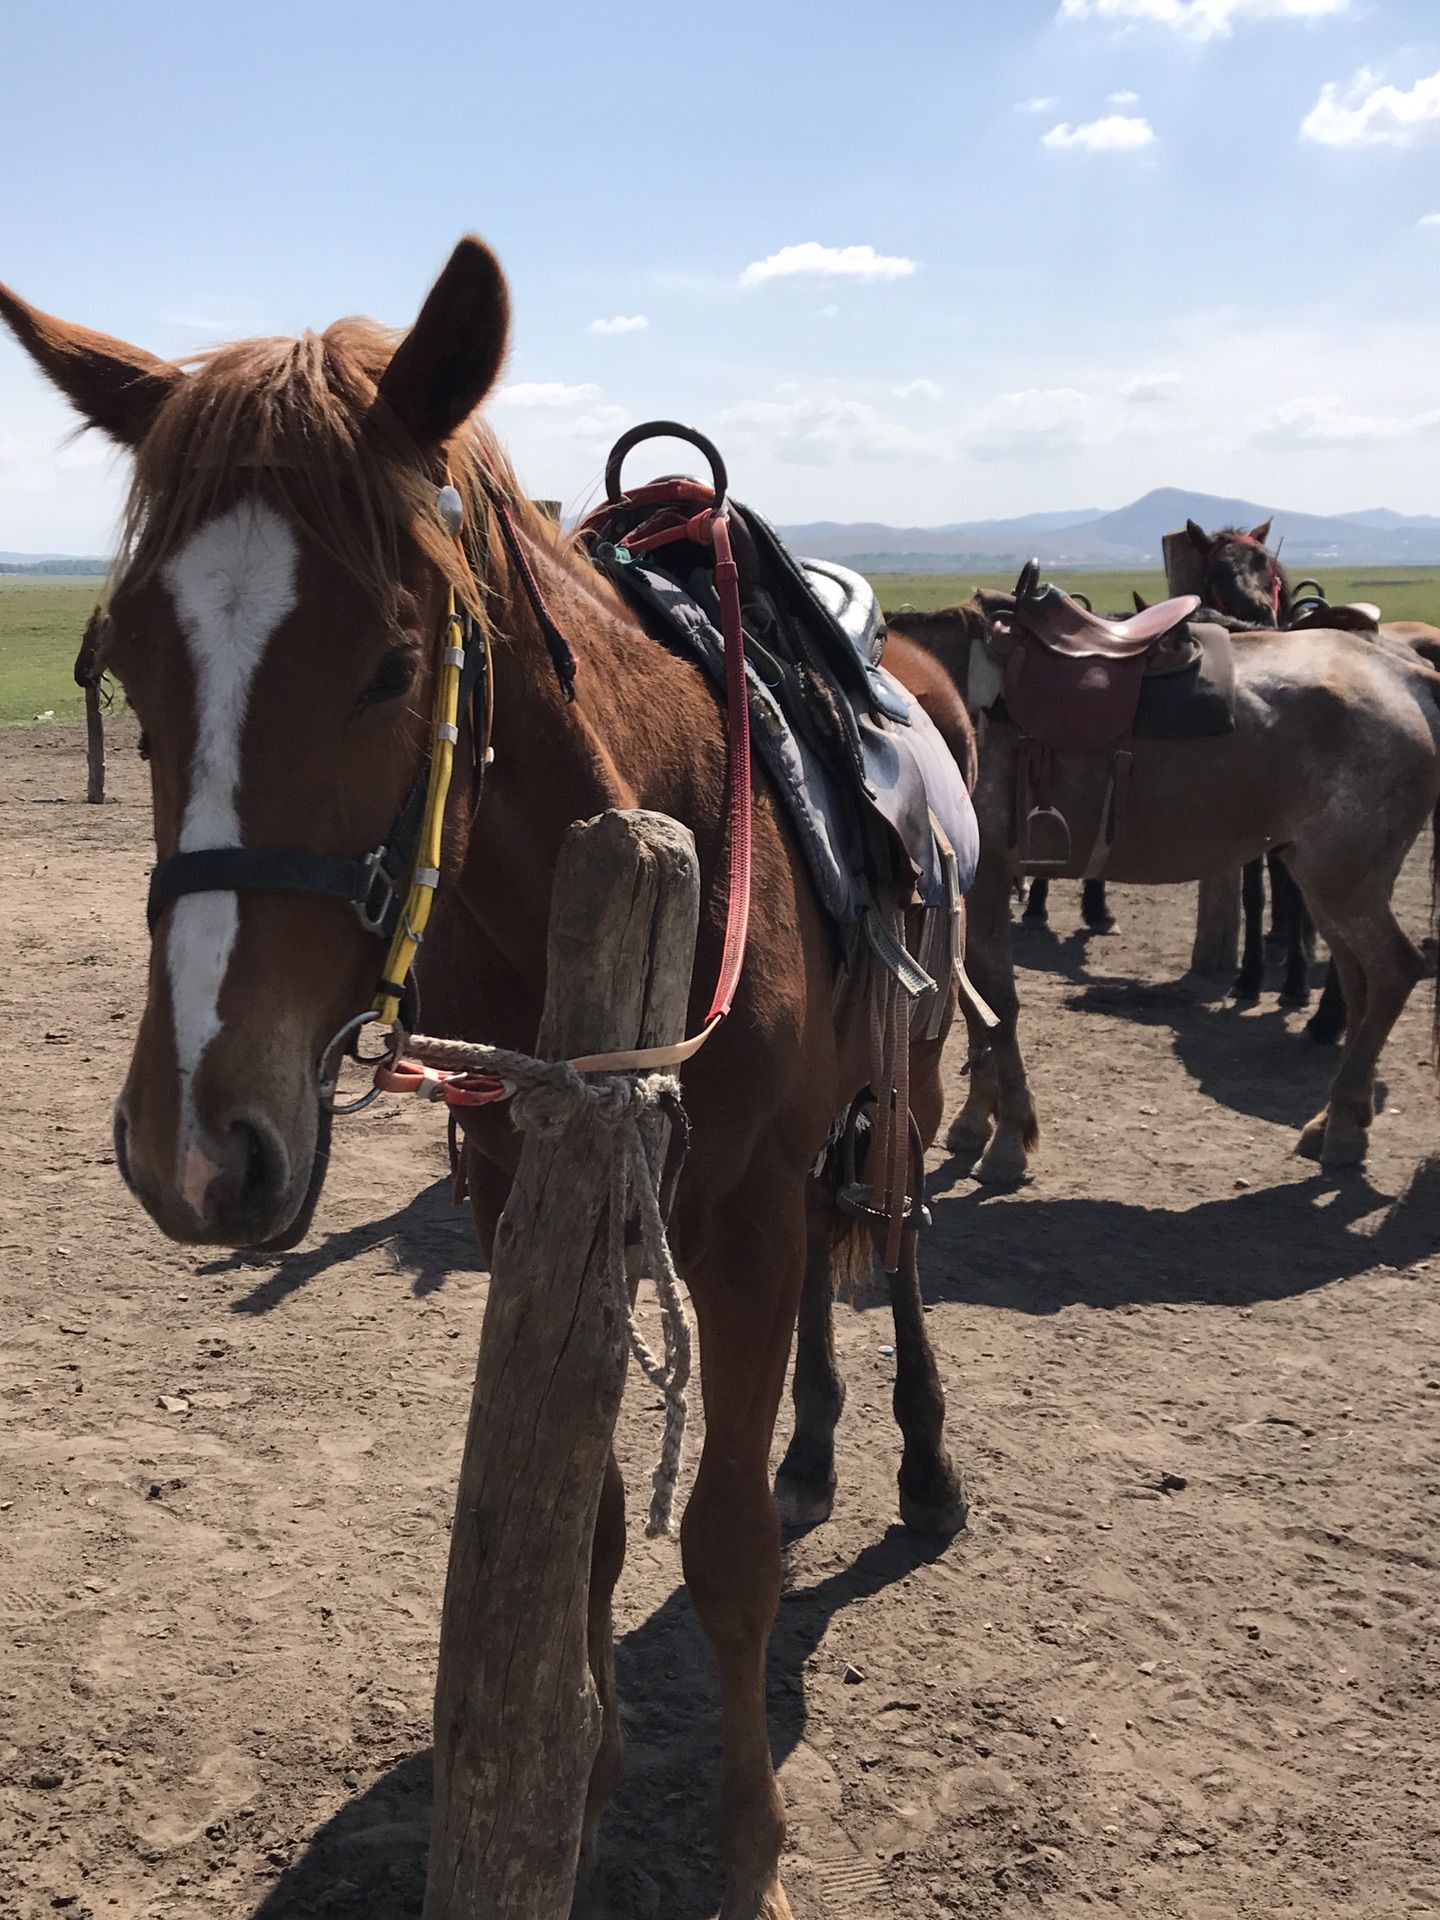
(517, 1720)
(94, 745)
(1217, 925)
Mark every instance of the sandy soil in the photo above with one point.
(1216, 1702)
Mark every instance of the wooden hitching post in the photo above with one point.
(94, 745)
(517, 1719)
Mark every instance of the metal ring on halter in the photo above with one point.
(664, 430)
(328, 1069)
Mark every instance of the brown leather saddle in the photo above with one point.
(1072, 677)
(1072, 681)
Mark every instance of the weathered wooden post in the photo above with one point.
(1217, 919)
(94, 745)
(517, 1720)
(1217, 925)
(88, 675)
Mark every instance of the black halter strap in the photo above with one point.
(372, 883)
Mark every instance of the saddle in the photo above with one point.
(1072, 678)
(1073, 681)
(879, 807)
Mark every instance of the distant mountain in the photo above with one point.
(1128, 537)
(1387, 517)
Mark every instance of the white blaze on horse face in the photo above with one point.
(233, 584)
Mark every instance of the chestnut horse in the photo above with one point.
(1334, 758)
(282, 583)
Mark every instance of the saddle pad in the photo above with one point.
(909, 772)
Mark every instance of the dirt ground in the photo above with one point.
(1216, 1702)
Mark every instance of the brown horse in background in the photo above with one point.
(274, 622)
(1334, 759)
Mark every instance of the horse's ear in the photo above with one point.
(1199, 539)
(1261, 533)
(118, 388)
(1140, 604)
(451, 357)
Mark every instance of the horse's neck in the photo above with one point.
(553, 763)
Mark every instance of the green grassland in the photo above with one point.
(41, 619)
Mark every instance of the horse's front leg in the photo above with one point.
(1095, 908)
(1251, 977)
(746, 1289)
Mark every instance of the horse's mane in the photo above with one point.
(296, 421)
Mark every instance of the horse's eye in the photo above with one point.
(394, 676)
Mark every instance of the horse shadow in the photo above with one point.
(428, 1238)
(1257, 1065)
(1274, 1243)
(367, 1862)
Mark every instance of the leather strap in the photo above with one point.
(257, 870)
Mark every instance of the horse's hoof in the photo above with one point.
(1345, 1144)
(769, 1904)
(1320, 1033)
(964, 1137)
(1311, 1144)
(937, 1520)
(1244, 994)
(803, 1503)
(1293, 998)
(1004, 1163)
(1102, 923)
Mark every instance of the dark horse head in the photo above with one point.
(1241, 577)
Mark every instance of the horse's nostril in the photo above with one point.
(257, 1166)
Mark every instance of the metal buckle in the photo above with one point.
(373, 906)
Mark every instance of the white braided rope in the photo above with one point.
(548, 1095)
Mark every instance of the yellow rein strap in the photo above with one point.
(445, 732)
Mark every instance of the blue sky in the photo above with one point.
(917, 262)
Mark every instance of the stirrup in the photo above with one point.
(1031, 862)
(856, 1196)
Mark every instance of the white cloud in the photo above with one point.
(1125, 99)
(822, 430)
(599, 423)
(552, 395)
(1032, 421)
(1428, 220)
(829, 263)
(1295, 426)
(1037, 103)
(919, 390)
(1151, 389)
(622, 323)
(1201, 19)
(1116, 133)
(1365, 114)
